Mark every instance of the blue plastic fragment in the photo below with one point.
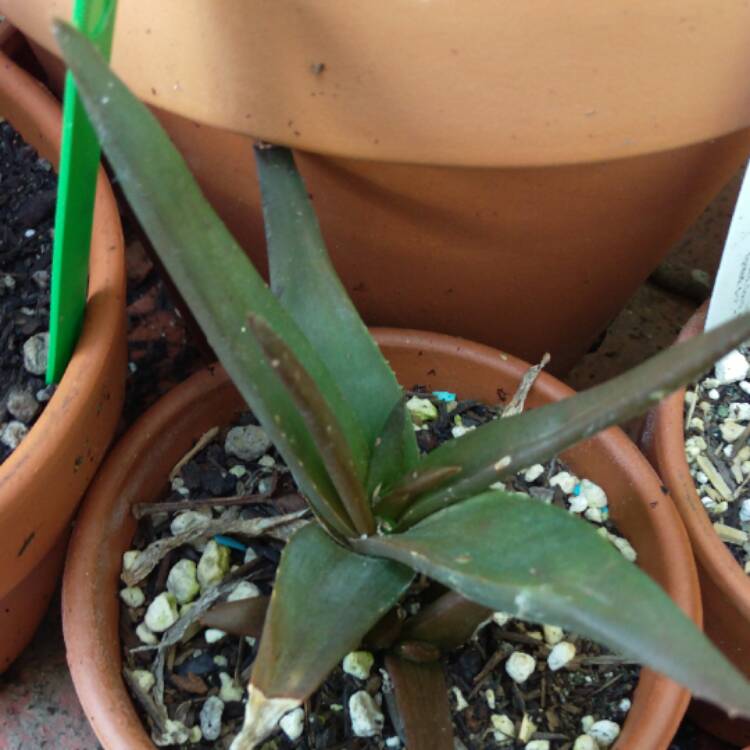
(227, 541)
(577, 489)
(444, 395)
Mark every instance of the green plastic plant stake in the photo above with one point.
(74, 215)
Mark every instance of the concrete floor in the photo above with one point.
(38, 706)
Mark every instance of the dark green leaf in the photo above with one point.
(324, 601)
(304, 279)
(346, 472)
(388, 462)
(244, 617)
(209, 268)
(504, 446)
(538, 562)
(421, 695)
(447, 622)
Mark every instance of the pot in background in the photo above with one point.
(138, 468)
(725, 587)
(43, 480)
(512, 180)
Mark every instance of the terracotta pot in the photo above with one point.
(513, 180)
(43, 480)
(138, 468)
(725, 587)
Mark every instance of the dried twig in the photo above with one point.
(518, 401)
(140, 510)
(201, 443)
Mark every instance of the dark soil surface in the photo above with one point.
(27, 202)
(596, 683)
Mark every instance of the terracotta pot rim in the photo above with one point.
(103, 324)
(510, 84)
(93, 676)
(710, 551)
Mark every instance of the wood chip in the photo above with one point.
(202, 442)
(730, 535)
(190, 683)
(704, 462)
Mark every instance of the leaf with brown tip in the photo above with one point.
(243, 618)
(421, 695)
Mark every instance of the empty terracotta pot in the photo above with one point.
(725, 587)
(509, 173)
(138, 468)
(43, 480)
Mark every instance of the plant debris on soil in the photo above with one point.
(717, 448)
(27, 203)
(189, 682)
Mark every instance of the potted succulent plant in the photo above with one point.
(44, 477)
(520, 150)
(320, 388)
(688, 432)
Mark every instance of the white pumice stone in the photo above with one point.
(130, 559)
(605, 732)
(533, 472)
(626, 549)
(498, 486)
(161, 613)
(731, 368)
(461, 703)
(213, 565)
(740, 411)
(231, 691)
(730, 430)
(537, 745)
(250, 555)
(503, 725)
(293, 723)
(195, 735)
(238, 471)
(145, 635)
(173, 733)
(562, 653)
(489, 696)
(584, 742)
(188, 520)
(501, 618)
(745, 511)
(587, 722)
(552, 634)
(595, 496)
(132, 596)
(709, 383)
(745, 386)
(393, 742)
(35, 353)
(267, 461)
(577, 503)
(527, 729)
(520, 666)
(565, 481)
(713, 394)
(210, 718)
(221, 661)
(243, 590)
(421, 409)
(367, 719)
(182, 581)
(247, 442)
(13, 434)
(460, 430)
(594, 515)
(624, 705)
(144, 679)
(696, 423)
(701, 477)
(213, 635)
(709, 503)
(358, 664)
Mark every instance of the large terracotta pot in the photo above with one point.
(43, 480)
(137, 470)
(509, 172)
(725, 587)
